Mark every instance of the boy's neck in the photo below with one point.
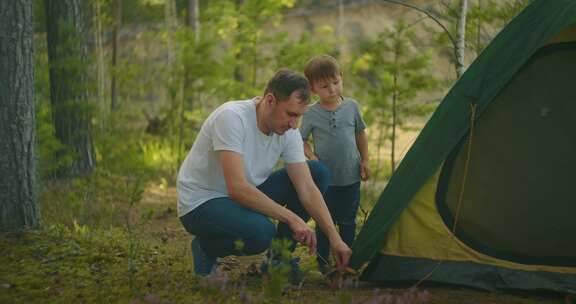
(330, 104)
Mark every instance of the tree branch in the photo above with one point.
(429, 15)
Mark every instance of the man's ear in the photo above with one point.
(269, 98)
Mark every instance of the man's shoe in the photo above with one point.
(204, 265)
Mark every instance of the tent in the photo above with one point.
(484, 197)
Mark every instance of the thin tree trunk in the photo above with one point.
(461, 39)
(379, 142)
(254, 61)
(171, 23)
(18, 177)
(193, 18)
(394, 109)
(100, 66)
(479, 30)
(238, 73)
(68, 58)
(394, 114)
(341, 28)
(116, 24)
(187, 101)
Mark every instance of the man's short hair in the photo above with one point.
(322, 67)
(285, 82)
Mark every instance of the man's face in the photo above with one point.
(329, 90)
(285, 114)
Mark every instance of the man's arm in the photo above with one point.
(313, 202)
(362, 143)
(241, 191)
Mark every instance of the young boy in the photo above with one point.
(340, 143)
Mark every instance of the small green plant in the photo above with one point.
(278, 266)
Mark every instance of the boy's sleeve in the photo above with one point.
(359, 123)
(305, 126)
(228, 132)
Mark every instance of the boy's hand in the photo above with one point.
(364, 171)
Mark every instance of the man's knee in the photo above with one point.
(320, 174)
(261, 239)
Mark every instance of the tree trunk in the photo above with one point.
(116, 24)
(18, 188)
(193, 18)
(461, 40)
(394, 119)
(100, 66)
(71, 110)
(238, 72)
(341, 44)
(478, 48)
(395, 103)
(174, 82)
(187, 101)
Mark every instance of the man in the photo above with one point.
(227, 188)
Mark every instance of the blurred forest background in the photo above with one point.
(123, 86)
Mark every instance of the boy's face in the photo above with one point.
(329, 90)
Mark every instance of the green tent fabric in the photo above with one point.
(521, 43)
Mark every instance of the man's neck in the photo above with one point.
(260, 114)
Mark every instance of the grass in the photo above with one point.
(142, 255)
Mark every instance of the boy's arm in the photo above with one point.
(362, 144)
(312, 200)
(308, 152)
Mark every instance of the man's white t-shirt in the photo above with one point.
(232, 127)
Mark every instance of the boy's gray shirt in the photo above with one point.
(334, 134)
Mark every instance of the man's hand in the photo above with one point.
(303, 234)
(364, 171)
(341, 253)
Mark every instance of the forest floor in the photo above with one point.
(148, 260)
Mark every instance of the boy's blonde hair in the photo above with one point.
(321, 67)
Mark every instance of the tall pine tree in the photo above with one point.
(18, 190)
(67, 29)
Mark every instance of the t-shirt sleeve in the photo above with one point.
(294, 148)
(359, 123)
(228, 132)
(306, 125)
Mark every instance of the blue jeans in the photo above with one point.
(221, 222)
(342, 202)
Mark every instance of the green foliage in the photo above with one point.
(394, 74)
(139, 11)
(243, 28)
(279, 271)
(295, 54)
(52, 154)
